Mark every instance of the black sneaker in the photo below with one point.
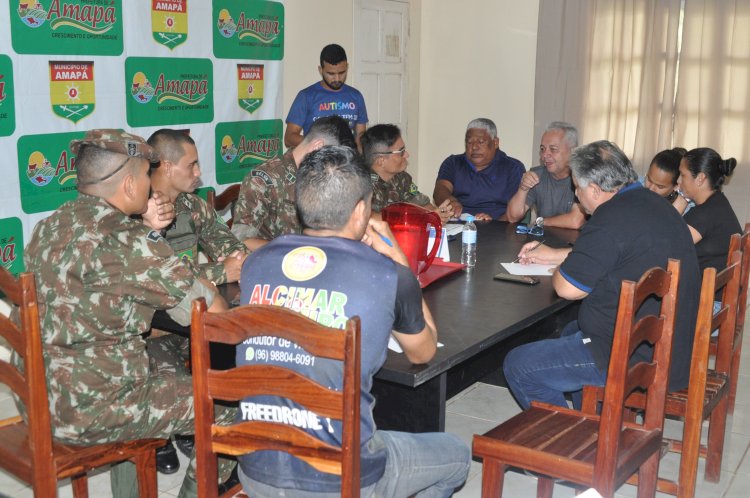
(231, 482)
(186, 444)
(166, 459)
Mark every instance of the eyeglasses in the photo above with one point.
(477, 141)
(535, 230)
(400, 152)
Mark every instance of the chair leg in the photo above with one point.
(145, 464)
(647, 476)
(80, 485)
(689, 454)
(733, 376)
(544, 487)
(493, 474)
(717, 425)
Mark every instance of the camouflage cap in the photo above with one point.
(117, 141)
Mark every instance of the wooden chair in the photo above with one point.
(233, 327)
(228, 198)
(707, 396)
(744, 246)
(27, 450)
(585, 449)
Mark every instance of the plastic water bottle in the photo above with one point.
(469, 243)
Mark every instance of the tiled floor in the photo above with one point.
(478, 409)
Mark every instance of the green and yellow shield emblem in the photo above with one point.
(71, 89)
(169, 22)
(250, 86)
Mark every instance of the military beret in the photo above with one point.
(117, 141)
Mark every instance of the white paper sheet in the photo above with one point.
(533, 269)
(393, 345)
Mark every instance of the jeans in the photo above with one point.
(546, 370)
(426, 465)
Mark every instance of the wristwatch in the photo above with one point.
(539, 221)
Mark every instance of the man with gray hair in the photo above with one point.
(354, 261)
(265, 207)
(548, 188)
(482, 180)
(631, 230)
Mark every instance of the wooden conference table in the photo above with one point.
(478, 320)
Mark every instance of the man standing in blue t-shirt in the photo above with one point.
(345, 264)
(330, 96)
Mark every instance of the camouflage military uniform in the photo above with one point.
(196, 223)
(401, 188)
(265, 207)
(100, 275)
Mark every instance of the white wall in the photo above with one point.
(474, 58)
(477, 60)
(310, 26)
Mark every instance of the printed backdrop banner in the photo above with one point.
(67, 66)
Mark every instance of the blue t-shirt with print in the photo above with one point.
(330, 280)
(315, 102)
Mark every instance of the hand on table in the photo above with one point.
(445, 211)
(532, 252)
(482, 217)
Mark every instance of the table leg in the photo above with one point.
(410, 409)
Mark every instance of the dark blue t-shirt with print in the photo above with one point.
(330, 280)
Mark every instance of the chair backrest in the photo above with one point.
(222, 201)
(742, 244)
(725, 320)
(30, 385)
(233, 327)
(622, 378)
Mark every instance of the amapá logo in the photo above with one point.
(40, 171)
(228, 149)
(169, 22)
(259, 148)
(71, 89)
(94, 19)
(263, 28)
(141, 89)
(188, 89)
(7, 252)
(250, 86)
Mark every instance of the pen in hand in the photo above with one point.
(534, 247)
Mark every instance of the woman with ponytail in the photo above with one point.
(712, 221)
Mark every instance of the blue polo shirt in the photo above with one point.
(486, 191)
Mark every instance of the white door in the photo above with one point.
(381, 28)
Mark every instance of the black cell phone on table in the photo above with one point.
(519, 279)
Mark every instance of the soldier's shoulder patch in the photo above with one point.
(154, 236)
(413, 188)
(262, 175)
